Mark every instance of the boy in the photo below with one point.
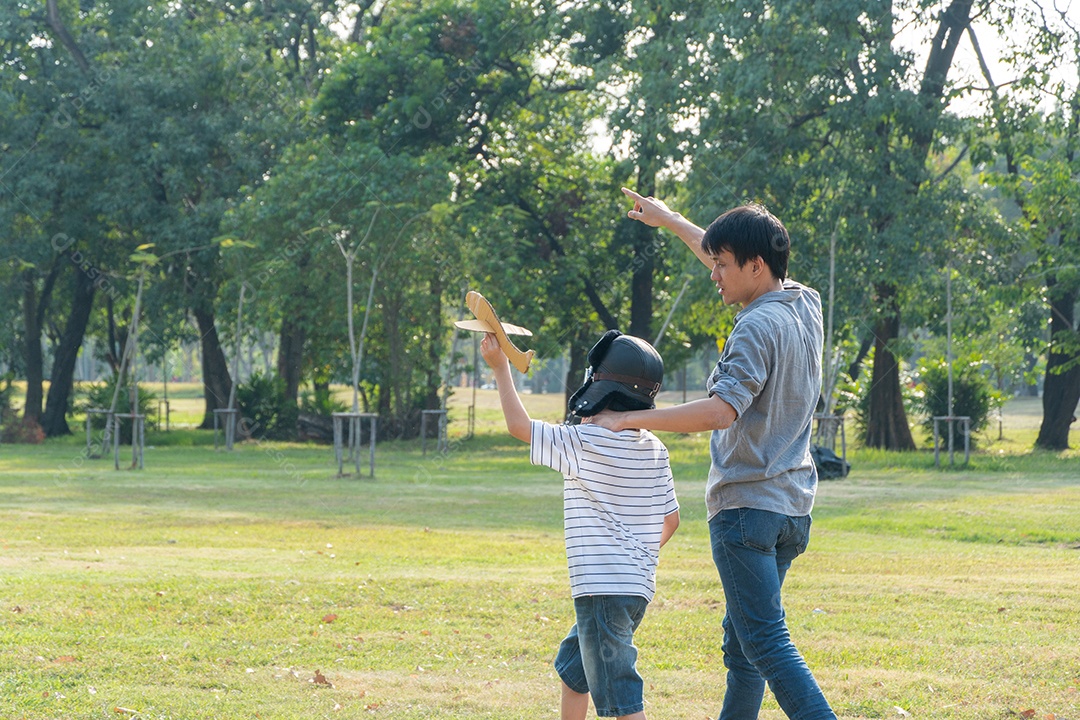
(619, 508)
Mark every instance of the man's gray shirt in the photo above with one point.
(770, 373)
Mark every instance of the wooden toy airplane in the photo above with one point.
(488, 321)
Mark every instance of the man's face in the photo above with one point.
(735, 284)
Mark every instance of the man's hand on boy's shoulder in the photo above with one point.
(607, 419)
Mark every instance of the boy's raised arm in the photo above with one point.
(517, 417)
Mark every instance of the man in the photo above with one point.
(762, 480)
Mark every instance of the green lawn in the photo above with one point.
(216, 585)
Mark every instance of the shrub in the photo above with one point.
(101, 396)
(972, 396)
(23, 431)
(265, 409)
(7, 392)
(321, 402)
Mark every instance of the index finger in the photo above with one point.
(632, 195)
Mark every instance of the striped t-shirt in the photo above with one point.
(617, 490)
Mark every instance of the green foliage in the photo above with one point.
(265, 410)
(7, 393)
(100, 395)
(321, 401)
(973, 396)
(1002, 330)
(471, 128)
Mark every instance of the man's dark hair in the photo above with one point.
(749, 231)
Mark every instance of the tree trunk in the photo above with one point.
(886, 425)
(290, 363)
(1061, 390)
(575, 369)
(217, 384)
(952, 22)
(54, 420)
(35, 373)
(114, 355)
(434, 377)
(34, 309)
(855, 368)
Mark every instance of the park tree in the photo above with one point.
(822, 114)
(543, 244)
(62, 244)
(1055, 204)
(647, 67)
(505, 89)
(68, 248)
(31, 266)
(238, 102)
(1038, 163)
(462, 79)
(165, 111)
(288, 255)
(332, 209)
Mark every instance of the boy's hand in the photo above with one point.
(493, 354)
(517, 417)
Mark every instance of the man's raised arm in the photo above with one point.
(655, 213)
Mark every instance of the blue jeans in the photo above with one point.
(598, 655)
(753, 550)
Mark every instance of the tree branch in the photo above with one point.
(590, 291)
(57, 25)
(952, 23)
(358, 22)
(995, 101)
(952, 166)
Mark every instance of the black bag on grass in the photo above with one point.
(829, 465)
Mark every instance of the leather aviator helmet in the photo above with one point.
(625, 373)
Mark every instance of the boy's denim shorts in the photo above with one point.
(598, 656)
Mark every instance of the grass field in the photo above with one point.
(226, 585)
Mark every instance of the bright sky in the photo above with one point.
(965, 70)
(966, 67)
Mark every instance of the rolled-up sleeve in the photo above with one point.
(742, 370)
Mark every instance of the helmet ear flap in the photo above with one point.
(600, 349)
(596, 356)
(578, 393)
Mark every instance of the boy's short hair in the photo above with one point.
(750, 231)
